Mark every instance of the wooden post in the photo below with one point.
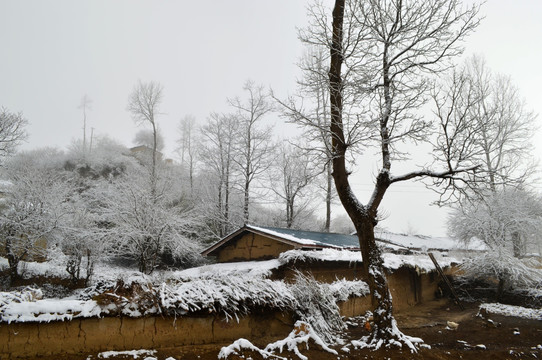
(441, 273)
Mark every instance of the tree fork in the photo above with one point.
(363, 219)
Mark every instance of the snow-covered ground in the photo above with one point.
(511, 310)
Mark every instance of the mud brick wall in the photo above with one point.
(83, 336)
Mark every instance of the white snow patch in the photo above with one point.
(135, 353)
(49, 310)
(251, 268)
(301, 334)
(291, 256)
(243, 344)
(512, 310)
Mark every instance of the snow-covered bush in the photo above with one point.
(509, 271)
(317, 305)
(25, 295)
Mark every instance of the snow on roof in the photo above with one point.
(311, 237)
(322, 240)
(425, 243)
(418, 261)
(284, 234)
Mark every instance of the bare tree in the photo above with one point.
(143, 104)
(495, 125)
(253, 140)
(295, 170)
(387, 48)
(188, 145)
(310, 109)
(12, 131)
(218, 152)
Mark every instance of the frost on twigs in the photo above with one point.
(391, 337)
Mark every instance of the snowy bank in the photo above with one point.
(230, 296)
(511, 310)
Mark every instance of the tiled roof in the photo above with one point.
(318, 238)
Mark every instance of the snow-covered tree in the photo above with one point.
(34, 204)
(292, 173)
(490, 126)
(145, 224)
(144, 104)
(12, 131)
(507, 221)
(82, 235)
(217, 153)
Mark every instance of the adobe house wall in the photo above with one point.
(84, 336)
(252, 247)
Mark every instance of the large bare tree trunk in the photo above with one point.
(364, 219)
(329, 184)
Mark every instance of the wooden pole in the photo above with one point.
(445, 279)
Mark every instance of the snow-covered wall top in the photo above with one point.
(420, 261)
(225, 294)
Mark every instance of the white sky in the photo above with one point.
(53, 52)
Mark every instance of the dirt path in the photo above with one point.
(429, 322)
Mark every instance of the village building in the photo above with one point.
(413, 277)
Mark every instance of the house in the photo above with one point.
(327, 256)
(262, 243)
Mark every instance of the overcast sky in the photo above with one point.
(54, 52)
